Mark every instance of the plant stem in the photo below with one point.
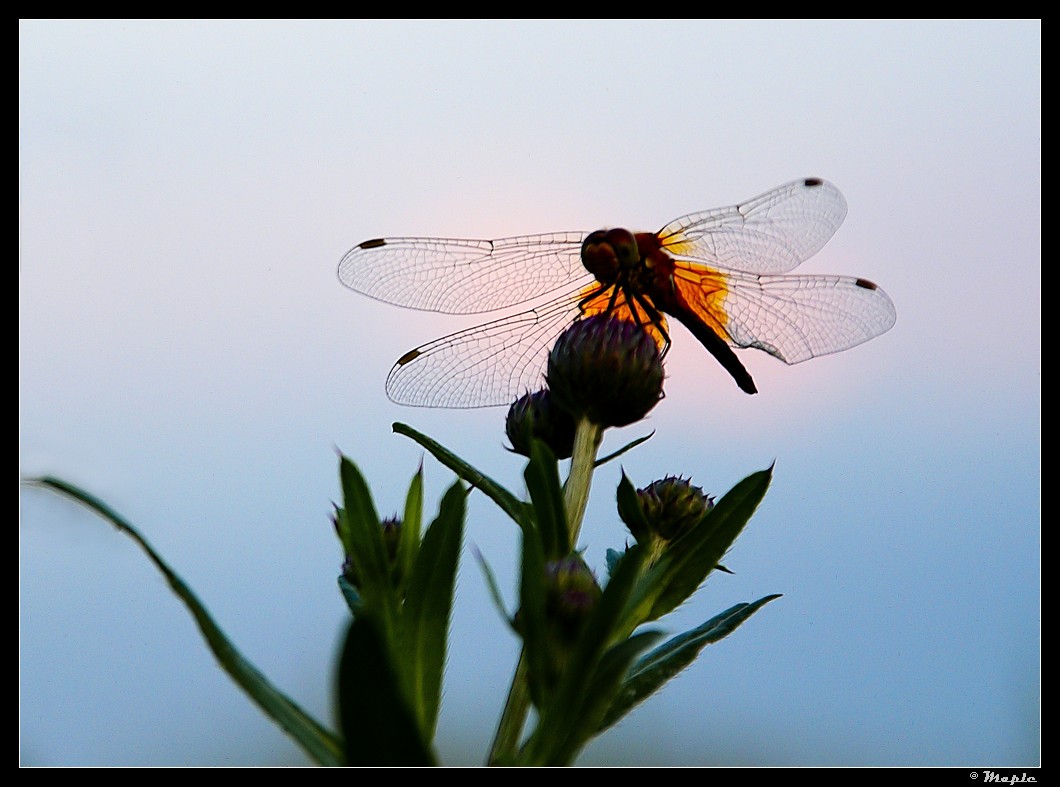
(587, 439)
(513, 718)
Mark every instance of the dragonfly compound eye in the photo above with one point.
(598, 257)
(606, 253)
(625, 246)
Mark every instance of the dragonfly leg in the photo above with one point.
(592, 296)
(655, 319)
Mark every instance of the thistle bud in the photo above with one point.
(671, 507)
(571, 594)
(606, 369)
(391, 538)
(536, 415)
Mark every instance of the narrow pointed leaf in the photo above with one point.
(563, 714)
(546, 494)
(411, 524)
(368, 552)
(531, 615)
(428, 605)
(494, 589)
(378, 727)
(601, 693)
(663, 663)
(509, 503)
(689, 560)
(318, 742)
(627, 447)
(629, 507)
(342, 528)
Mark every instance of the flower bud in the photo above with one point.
(606, 369)
(536, 415)
(671, 507)
(391, 538)
(571, 594)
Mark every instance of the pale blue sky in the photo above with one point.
(187, 353)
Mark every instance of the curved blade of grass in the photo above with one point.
(318, 742)
(650, 673)
(424, 620)
(509, 503)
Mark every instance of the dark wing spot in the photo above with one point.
(374, 243)
(866, 284)
(411, 355)
(813, 182)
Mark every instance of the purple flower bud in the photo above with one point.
(607, 370)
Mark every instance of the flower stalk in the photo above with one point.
(587, 439)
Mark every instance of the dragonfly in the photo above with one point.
(721, 273)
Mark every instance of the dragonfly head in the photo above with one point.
(606, 253)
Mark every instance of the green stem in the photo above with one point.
(587, 440)
(506, 742)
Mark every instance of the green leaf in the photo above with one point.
(601, 693)
(692, 557)
(689, 559)
(531, 616)
(411, 524)
(510, 728)
(494, 589)
(367, 552)
(377, 724)
(342, 528)
(428, 604)
(612, 558)
(629, 508)
(570, 705)
(657, 667)
(352, 597)
(546, 494)
(627, 447)
(509, 503)
(319, 743)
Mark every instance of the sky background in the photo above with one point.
(187, 353)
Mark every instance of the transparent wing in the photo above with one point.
(490, 364)
(794, 318)
(771, 233)
(457, 276)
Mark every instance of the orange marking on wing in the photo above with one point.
(703, 291)
(677, 244)
(631, 312)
